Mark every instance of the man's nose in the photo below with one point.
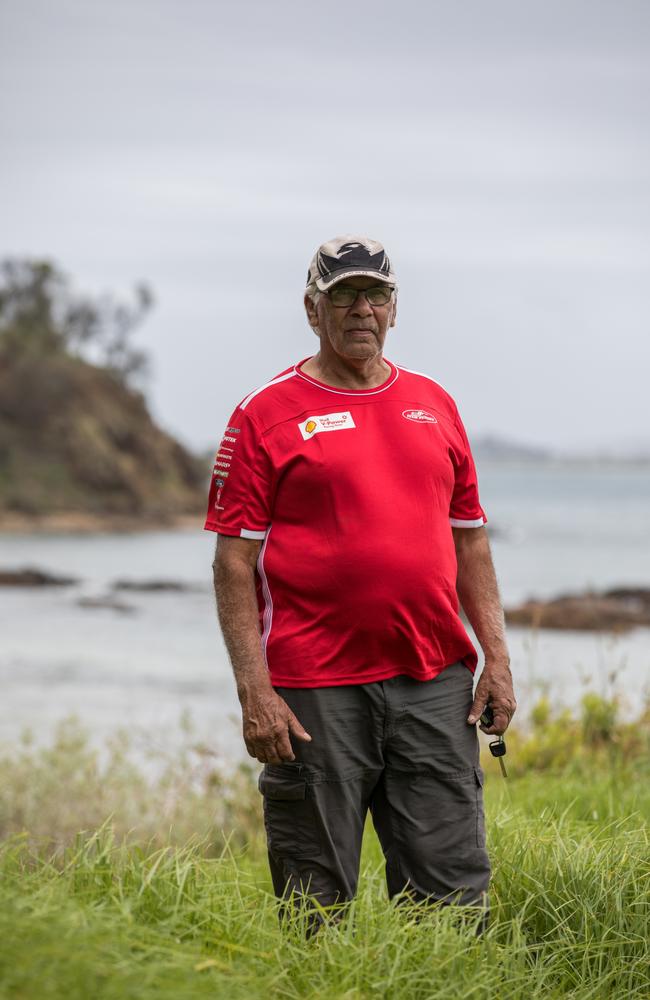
(361, 306)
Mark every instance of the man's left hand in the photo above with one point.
(494, 689)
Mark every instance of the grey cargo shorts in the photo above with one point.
(402, 749)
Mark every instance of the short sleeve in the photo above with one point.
(465, 510)
(241, 489)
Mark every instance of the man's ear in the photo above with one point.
(393, 316)
(312, 314)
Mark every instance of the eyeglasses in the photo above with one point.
(344, 295)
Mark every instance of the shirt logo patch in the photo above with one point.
(420, 416)
(326, 422)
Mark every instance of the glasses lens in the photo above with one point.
(378, 295)
(344, 295)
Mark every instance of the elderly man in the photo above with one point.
(346, 504)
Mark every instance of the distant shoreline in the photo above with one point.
(80, 523)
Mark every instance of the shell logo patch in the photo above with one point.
(326, 422)
(420, 416)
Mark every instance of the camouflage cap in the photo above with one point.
(347, 257)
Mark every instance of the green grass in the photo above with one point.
(135, 910)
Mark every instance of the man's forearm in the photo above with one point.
(478, 592)
(234, 585)
(268, 722)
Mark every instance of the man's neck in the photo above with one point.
(344, 373)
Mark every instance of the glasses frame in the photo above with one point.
(361, 291)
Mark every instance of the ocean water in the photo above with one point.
(554, 530)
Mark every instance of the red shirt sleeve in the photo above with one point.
(465, 510)
(241, 490)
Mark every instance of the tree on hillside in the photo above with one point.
(76, 435)
(41, 314)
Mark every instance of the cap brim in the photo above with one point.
(332, 279)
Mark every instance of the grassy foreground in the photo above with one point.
(154, 913)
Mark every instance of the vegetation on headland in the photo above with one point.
(77, 443)
(167, 893)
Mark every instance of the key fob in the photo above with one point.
(498, 747)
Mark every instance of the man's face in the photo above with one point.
(357, 331)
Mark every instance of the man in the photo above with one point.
(346, 502)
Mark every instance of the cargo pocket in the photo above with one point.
(480, 815)
(457, 801)
(289, 815)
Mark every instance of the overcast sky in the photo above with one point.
(500, 150)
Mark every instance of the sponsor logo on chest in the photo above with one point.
(326, 422)
(419, 416)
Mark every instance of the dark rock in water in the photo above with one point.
(151, 586)
(106, 602)
(34, 578)
(616, 610)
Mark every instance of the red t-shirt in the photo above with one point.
(353, 493)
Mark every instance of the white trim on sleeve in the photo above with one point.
(256, 392)
(457, 523)
(246, 533)
(268, 599)
(423, 375)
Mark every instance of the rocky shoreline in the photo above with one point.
(617, 610)
(110, 599)
(30, 577)
(80, 523)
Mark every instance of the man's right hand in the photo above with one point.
(268, 721)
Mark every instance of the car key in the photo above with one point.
(498, 750)
(497, 747)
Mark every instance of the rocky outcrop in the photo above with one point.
(154, 586)
(34, 578)
(77, 446)
(616, 610)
